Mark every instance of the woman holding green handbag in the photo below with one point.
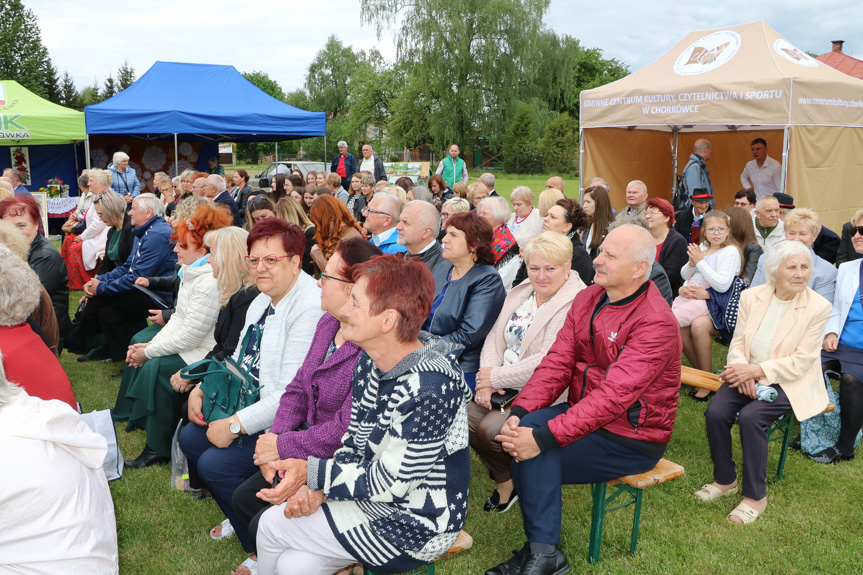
(287, 312)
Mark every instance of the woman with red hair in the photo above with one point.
(146, 397)
(333, 224)
(23, 213)
(468, 290)
(670, 245)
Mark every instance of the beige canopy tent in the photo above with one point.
(730, 85)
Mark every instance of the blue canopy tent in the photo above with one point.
(199, 102)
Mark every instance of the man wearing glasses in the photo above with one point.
(687, 221)
(382, 214)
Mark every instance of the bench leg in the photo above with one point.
(597, 519)
(635, 522)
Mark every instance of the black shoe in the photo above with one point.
(830, 455)
(795, 444)
(513, 565)
(493, 503)
(200, 494)
(541, 564)
(704, 399)
(147, 458)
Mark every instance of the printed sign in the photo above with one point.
(708, 53)
(793, 54)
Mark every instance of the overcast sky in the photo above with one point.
(281, 37)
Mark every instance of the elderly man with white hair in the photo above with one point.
(125, 180)
(344, 164)
(114, 305)
(57, 516)
(618, 355)
(418, 228)
(216, 190)
(382, 214)
(636, 200)
(372, 164)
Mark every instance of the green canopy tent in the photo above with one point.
(48, 136)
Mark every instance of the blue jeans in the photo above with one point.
(591, 459)
(221, 470)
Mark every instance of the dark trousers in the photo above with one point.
(111, 316)
(247, 507)
(753, 420)
(222, 470)
(591, 459)
(483, 426)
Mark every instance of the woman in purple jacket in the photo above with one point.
(315, 409)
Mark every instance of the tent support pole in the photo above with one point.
(325, 147)
(176, 158)
(676, 132)
(580, 165)
(87, 151)
(277, 151)
(785, 144)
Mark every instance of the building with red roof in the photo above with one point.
(841, 61)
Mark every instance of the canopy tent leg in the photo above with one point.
(785, 143)
(176, 157)
(87, 151)
(75, 153)
(277, 151)
(580, 165)
(676, 132)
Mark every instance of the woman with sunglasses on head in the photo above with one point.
(280, 325)
(258, 208)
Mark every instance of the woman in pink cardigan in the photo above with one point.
(532, 314)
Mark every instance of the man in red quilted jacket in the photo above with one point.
(618, 354)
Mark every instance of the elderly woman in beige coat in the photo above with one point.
(532, 314)
(777, 343)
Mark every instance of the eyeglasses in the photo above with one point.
(269, 261)
(368, 210)
(334, 278)
(198, 187)
(653, 212)
(856, 230)
(715, 230)
(445, 215)
(175, 186)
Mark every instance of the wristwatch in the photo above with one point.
(234, 427)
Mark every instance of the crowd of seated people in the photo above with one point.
(389, 328)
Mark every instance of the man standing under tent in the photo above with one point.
(695, 174)
(763, 174)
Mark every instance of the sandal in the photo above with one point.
(249, 564)
(226, 531)
(745, 513)
(695, 397)
(710, 492)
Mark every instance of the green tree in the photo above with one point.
(125, 76)
(329, 77)
(68, 93)
(263, 81)
(373, 87)
(469, 56)
(408, 125)
(89, 95)
(50, 82)
(110, 88)
(559, 145)
(520, 153)
(23, 58)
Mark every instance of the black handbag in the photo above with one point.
(503, 400)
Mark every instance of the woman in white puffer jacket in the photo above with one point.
(150, 402)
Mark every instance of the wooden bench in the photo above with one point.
(462, 543)
(780, 430)
(630, 487)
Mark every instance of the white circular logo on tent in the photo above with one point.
(793, 54)
(708, 53)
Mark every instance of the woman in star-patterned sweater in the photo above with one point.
(394, 496)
